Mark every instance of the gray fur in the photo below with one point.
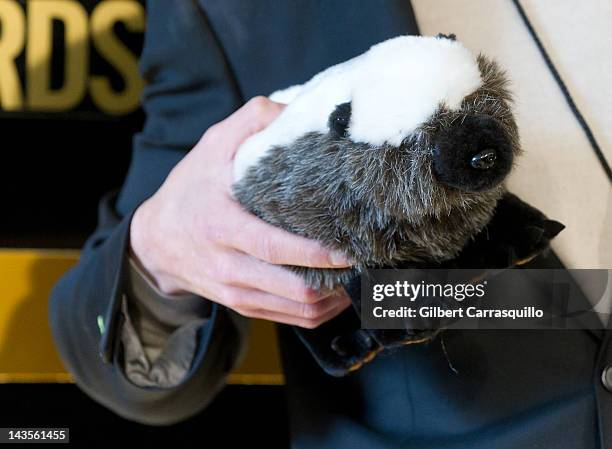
(379, 205)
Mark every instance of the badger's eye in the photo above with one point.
(450, 36)
(339, 120)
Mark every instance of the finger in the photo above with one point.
(274, 279)
(279, 247)
(248, 300)
(251, 118)
(298, 321)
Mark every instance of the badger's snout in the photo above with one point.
(473, 154)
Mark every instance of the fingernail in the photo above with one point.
(338, 259)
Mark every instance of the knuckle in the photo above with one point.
(248, 313)
(310, 311)
(222, 270)
(311, 323)
(213, 233)
(212, 133)
(258, 104)
(233, 300)
(307, 294)
(306, 311)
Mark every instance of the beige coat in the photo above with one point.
(559, 172)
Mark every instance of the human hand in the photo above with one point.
(192, 236)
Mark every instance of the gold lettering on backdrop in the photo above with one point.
(12, 20)
(130, 13)
(29, 31)
(41, 14)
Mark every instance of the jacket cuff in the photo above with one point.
(159, 331)
(167, 310)
(113, 256)
(154, 355)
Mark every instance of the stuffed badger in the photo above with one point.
(397, 158)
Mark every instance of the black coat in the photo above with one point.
(202, 59)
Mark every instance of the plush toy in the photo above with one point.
(397, 158)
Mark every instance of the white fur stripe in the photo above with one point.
(394, 87)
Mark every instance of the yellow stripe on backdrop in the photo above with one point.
(27, 353)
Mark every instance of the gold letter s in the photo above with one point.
(132, 14)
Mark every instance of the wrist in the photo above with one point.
(148, 254)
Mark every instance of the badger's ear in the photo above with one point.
(450, 36)
(339, 120)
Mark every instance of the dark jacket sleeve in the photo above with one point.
(189, 87)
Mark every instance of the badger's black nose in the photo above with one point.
(472, 154)
(484, 160)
